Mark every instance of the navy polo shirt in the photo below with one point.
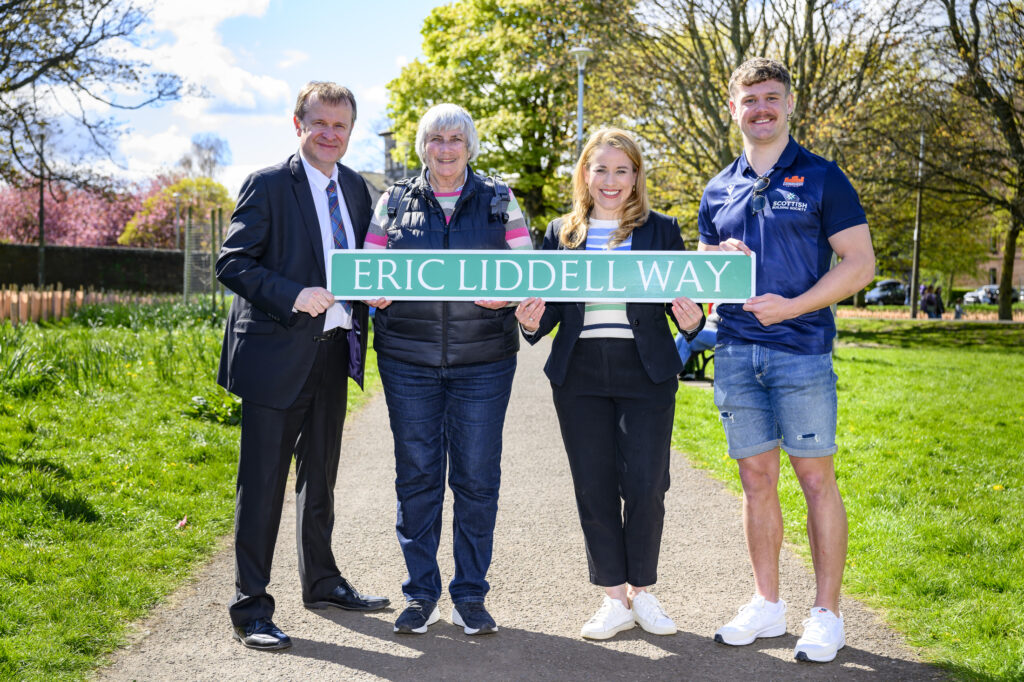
(808, 200)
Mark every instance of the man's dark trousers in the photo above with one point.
(311, 428)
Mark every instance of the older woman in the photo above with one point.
(613, 371)
(447, 371)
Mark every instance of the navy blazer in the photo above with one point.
(272, 251)
(654, 340)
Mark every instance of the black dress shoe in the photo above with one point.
(344, 596)
(262, 634)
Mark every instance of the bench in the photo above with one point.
(696, 365)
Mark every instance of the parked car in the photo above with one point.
(887, 292)
(989, 293)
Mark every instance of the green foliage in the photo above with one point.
(136, 317)
(99, 463)
(674, 59)
(507, 63)
(153, 224)
(879, 145)
(931, 481)
(217, 406)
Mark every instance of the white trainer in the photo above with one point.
(612, 618)
(823, 637)
(759, 618)
(650, 616)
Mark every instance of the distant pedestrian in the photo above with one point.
(958, 309)
(690, 349)
(928, 304)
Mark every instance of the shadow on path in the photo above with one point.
(540, 596)
(446, 653)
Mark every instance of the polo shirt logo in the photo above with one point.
(793, 181)
(790, 202)
(729, 196)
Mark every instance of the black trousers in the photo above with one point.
(311, 430)
(617, 428)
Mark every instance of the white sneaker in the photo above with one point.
(823, 637)
(759, 618)
(650, 616)
(612, 618)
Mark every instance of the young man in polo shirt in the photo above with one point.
(774, 384)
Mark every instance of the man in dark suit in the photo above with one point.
(289, 349)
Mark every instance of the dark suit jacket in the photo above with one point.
(272, 251)
(654, 339)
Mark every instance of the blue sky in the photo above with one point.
(252, 56)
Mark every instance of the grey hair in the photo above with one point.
(447, 116)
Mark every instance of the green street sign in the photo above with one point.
(408, 274)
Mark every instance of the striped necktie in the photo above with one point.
(337, 227)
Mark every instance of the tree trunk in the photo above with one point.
(532, 202)
(1009, 254)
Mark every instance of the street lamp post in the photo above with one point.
(915, 268)
(42, 216)
(581, 54)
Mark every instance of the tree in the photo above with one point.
(74, 216)
(154, 224)
(962, 85)
(889, 123)
(59, 59)
(678, 55)
(208, 153)
(507, 63)
(980, 55)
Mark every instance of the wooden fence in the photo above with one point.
(26, 304)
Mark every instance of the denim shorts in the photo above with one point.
(767, 398)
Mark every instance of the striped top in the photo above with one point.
(517, 236)
(607, 320)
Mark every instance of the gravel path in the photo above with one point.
(539, 595)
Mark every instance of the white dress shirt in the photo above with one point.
(336, 315)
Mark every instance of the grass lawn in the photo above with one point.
(931, 438)
(103, 451)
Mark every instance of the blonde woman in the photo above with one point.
(613, 370)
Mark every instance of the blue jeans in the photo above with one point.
(441, 416)
(705, 340)
(769, 398)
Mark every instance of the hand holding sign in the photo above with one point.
(733, 244)
(769, 308)
(529, 312)
(687, 313)
(313, 300)
(491, 305)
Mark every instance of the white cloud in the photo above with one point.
(375, 97)
(292, 58)
(198, 55)
(401, 60)
(233, 176)
(148, 153)
(201, 14)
